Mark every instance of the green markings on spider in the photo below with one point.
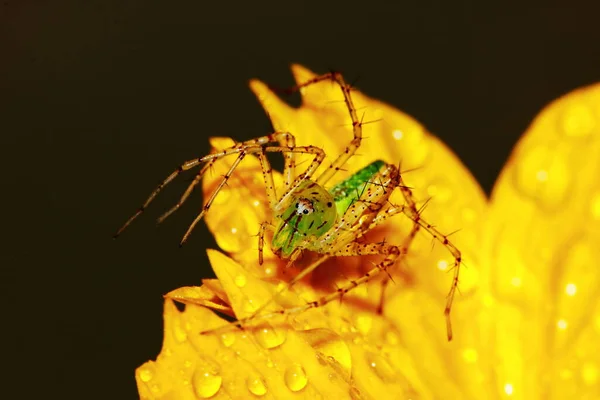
(311, 211)
(348, 191)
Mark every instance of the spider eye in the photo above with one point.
(305, 211)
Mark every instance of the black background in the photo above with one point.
(99, 100)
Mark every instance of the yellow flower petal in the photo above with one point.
(456, 203)
(417, 299)
(542, 242)
(527, 323)
(271, 361)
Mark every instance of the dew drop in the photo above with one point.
(516, 281)
(578, 121)
(146, 373)
(589, 374)
(398, 134)
(250, 306)
(571, 289)
(382, 367)
(227, 339)
(470, 355)
(543, 175)
(295, 378)
(155, 389)
(179, 333)
(562, 324)
(391, 338)
(442, 265)
(256, 385)
(332, 346)
(240, 281)
(269, 337)
(206, 383)
(363, 323)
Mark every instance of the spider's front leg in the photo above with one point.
(242, 148)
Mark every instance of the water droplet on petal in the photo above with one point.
(227, 339)
(206, 383)
(295, 378)
(470, 355)
(391, 338)
(179, 333)
(382, 367)
(146, 373)
(269, 337)
(250, 306)
(589, 373)
(240, 281)
(332, 346)
(562, 324)
(543, 175)
(363, 323)
(442, 265)
(578, 121)
(256, 385)
(571, 289)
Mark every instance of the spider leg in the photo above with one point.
(407, 242)
(414, 214)
(283, 138)
(260, 150)
(289, 167)
(277, 137)
(391, 253)
(351, 148)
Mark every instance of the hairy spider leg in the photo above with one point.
(409, 239)
(351, 148)
(285, 139)
(260, 150)
(413, 213)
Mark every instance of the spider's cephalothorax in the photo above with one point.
(330, 222)
(308, 213)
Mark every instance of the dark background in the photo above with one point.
(99, 100)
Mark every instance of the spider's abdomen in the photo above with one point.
(348, 191)
(309, 212)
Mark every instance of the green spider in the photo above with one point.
(309, 217)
